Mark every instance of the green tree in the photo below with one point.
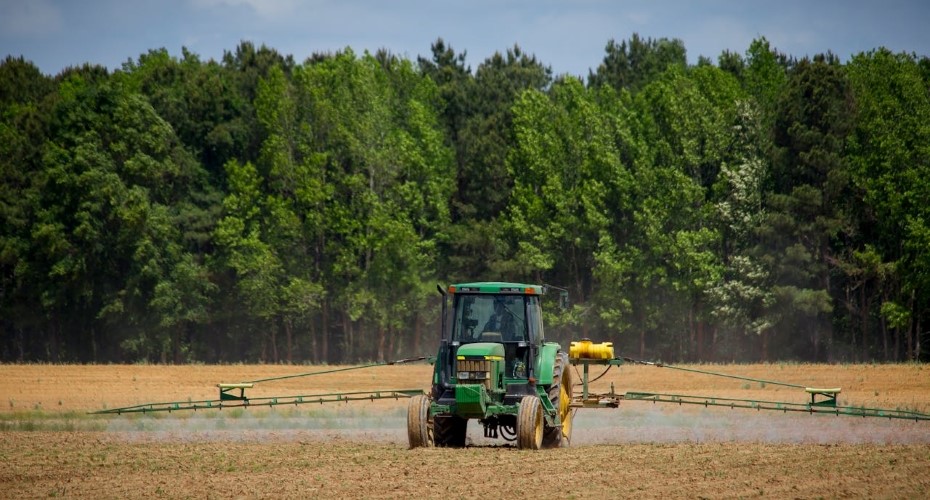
(483, 183)
(243, 240)
(740, 301)
(25, 99)
(808, 205)
(685, 119)
(765, 75)
(205, 103)
(633, 64)
(563, 159)
(296, 194)
(390, 177)
(890, 161)
(111, 170)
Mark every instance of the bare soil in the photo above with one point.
(50, 447)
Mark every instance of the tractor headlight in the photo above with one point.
(465, 375)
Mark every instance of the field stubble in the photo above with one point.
(48, 447)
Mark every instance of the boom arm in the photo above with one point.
(821, 400)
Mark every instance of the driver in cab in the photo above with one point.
(500, 322)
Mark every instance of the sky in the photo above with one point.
(568, 36)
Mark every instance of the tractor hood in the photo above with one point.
(483, 350)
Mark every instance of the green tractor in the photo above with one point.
(494, 366)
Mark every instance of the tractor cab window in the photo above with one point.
(489, 318)
(534, 319)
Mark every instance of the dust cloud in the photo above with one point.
(648, 423)
(343, 424)
(639, 423)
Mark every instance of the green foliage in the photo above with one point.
(632, 64)
(255, 209)
(889, 162)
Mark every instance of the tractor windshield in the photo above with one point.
(489, 318)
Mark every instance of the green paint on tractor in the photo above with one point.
(495, 366)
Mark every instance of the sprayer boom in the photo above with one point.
(822, 400)
(244, 402)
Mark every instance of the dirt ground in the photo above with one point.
(50, 447)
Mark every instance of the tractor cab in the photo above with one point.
(506, 314)
(496, 314)
(490, 318)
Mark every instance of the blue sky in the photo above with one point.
(569, 36)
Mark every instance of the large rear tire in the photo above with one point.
(530, 423)
(560, 393)
(449, 431)
(419, 428)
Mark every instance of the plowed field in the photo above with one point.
(50, 447)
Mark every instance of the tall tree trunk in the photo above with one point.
(324, 333)
(392, 339)
(864, 324)
(700, 340)
(93, 345)
(765, 345)
(289, 335)
(897, 344)
(815, 337)
(917, 340)
(692, 334)
(884, 327)
(417, 330)
(21, 344)
(347, 343)
(828, 286)
(381, 341)
(314, 345)
(910, 329)
(853, 313)
(53, 346)
(176, 345)
(274, 344)
(896, 354)
(680, 348)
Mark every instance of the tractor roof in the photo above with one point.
(496, 287)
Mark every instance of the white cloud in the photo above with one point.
(32, 19)
(273, 10)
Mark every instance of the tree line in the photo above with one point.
(756, 207)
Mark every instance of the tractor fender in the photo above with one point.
(545, 363)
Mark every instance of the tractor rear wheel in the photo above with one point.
(449, 431)
(419, 428)
(560, 393)
(530, 423)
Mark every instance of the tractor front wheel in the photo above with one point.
(530, 423)
(449, 431)
(419, 428)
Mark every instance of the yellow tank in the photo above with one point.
(585, 349)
